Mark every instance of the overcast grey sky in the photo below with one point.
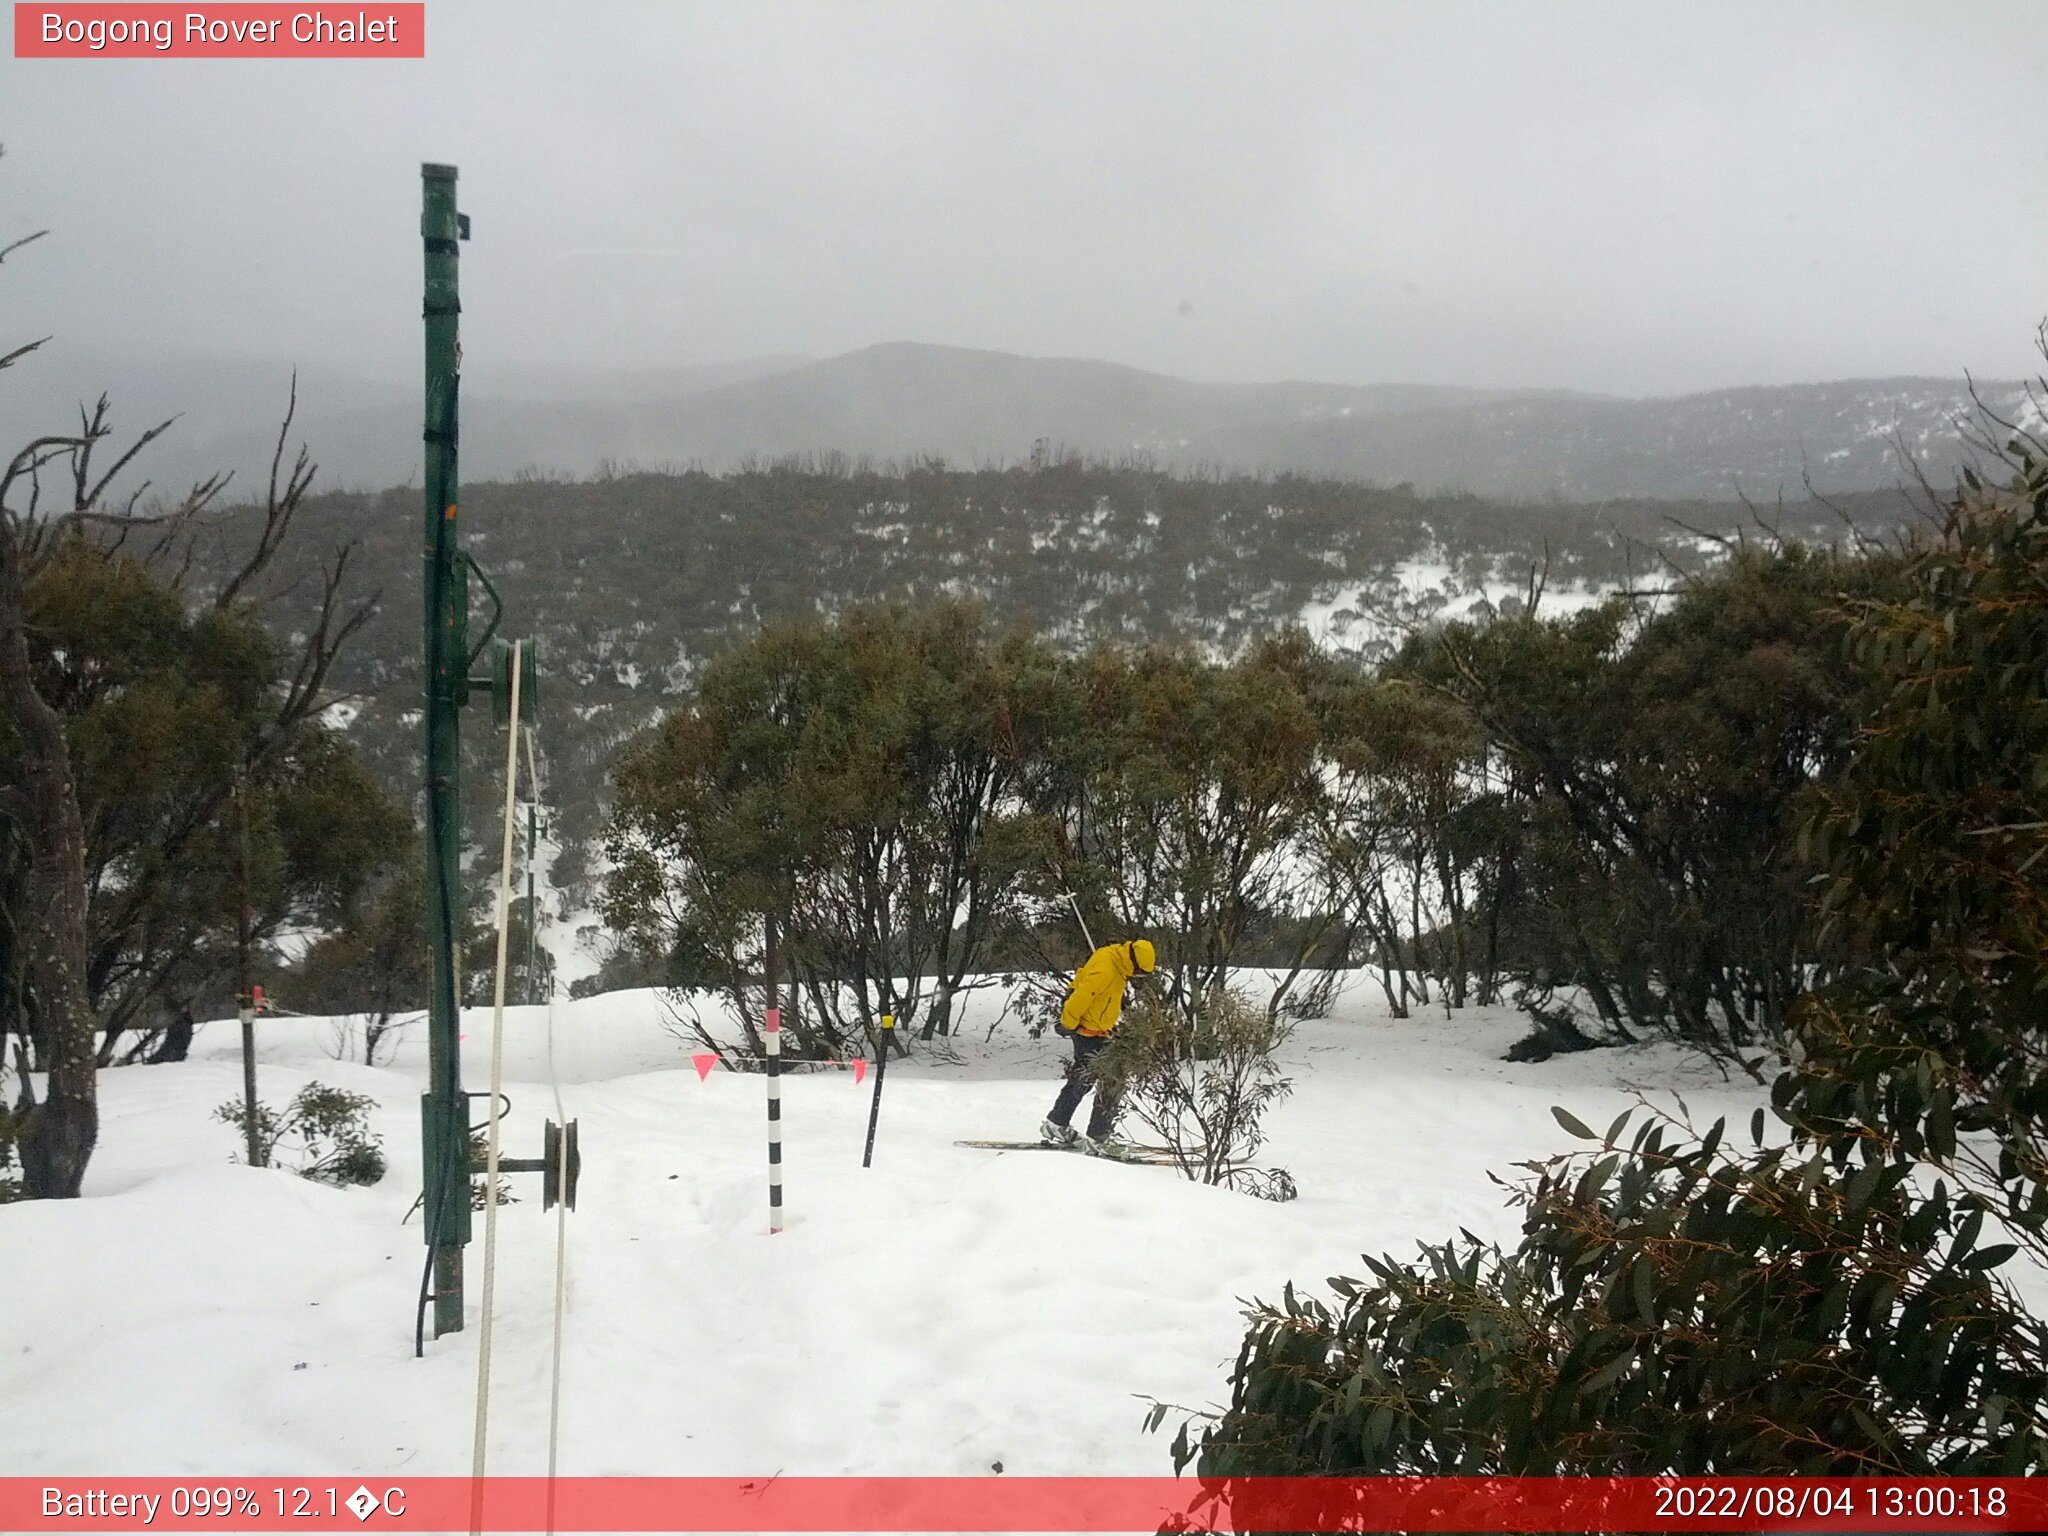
(1638, 198)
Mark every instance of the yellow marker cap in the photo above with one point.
(888, 1021)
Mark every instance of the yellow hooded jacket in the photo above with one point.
(1096, 999)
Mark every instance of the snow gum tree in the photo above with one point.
(1179, 792)
(144, 716)
(1646, 769)
(900, 792)
(854, 786)
(204, 778)
(1406, 820)
(1934, 844)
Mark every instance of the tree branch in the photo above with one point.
(8, 360)
(277, 510)
(11, 247)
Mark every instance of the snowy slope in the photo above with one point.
(943, 1311)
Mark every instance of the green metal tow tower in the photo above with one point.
(446, 1166)
(444, 1112)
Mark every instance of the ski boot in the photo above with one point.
(1054, 1135)
(1109, 1147)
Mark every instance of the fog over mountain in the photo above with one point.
(906, 401)
(1601, 197)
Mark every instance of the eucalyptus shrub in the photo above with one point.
(324, 1134)
(1200, 1080)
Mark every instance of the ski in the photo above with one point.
(1148, 1156)
(1027, 1146)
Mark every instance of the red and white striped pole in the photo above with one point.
(774, 1120)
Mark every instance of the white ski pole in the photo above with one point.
(1075, 906)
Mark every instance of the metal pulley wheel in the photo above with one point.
(560, 1164)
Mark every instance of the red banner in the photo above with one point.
(242, 31)
(1050, 1504)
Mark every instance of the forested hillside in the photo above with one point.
(628, 582)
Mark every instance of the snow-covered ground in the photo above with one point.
(1357, 615)
(940, 1312)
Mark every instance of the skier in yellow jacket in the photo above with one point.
(1093, 1005)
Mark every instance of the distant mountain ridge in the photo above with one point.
(1852, 435)
(905, 401)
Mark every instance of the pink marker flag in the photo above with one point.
(860, 1070)
(704, 1062)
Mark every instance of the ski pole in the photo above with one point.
(1076, 907)
(881, 1066)
(774, 1022)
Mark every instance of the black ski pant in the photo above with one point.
(1081, 1076)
